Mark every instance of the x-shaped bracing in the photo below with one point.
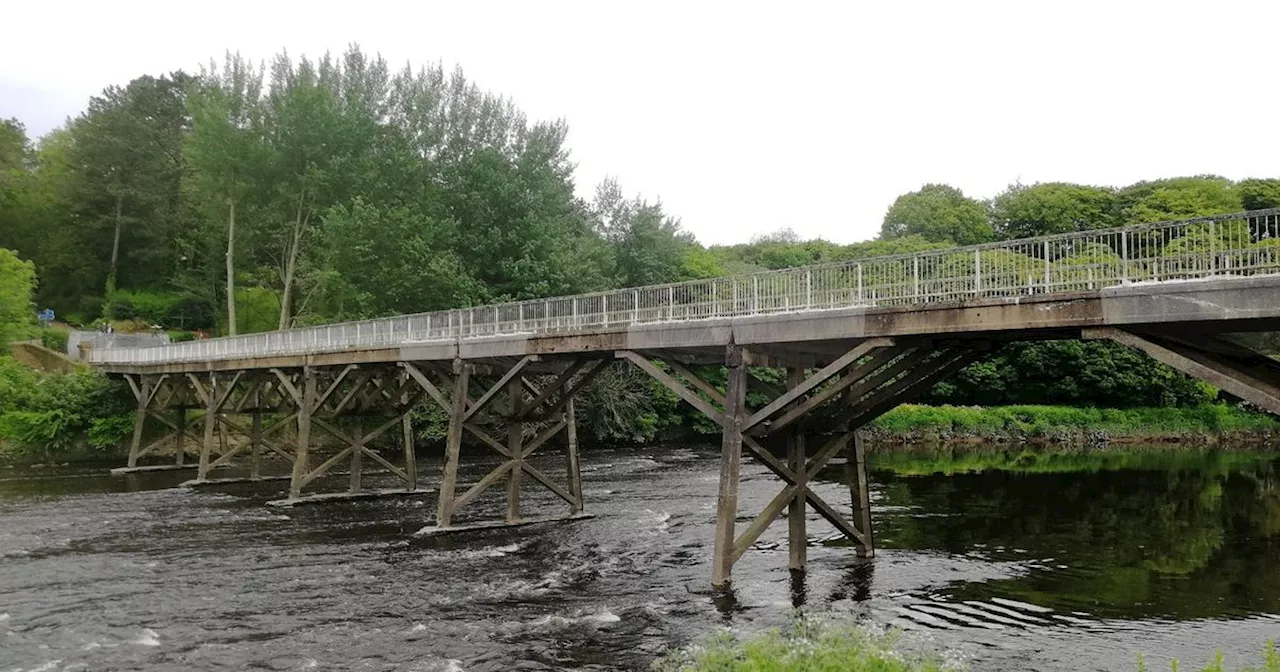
(549, 404)
(872, 377)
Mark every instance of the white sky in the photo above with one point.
(743, 117)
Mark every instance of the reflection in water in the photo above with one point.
(1018, 559)
(1173, 535)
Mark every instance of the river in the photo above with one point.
(1009, 560)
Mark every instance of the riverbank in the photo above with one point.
(1208, 424)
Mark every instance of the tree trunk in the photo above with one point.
(231, 266)
(115, 247)
(291, 262)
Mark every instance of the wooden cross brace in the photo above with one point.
(544, 404)
(262, 439)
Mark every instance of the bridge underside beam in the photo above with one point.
(529, 409)
(1255, 383)
(850, 390)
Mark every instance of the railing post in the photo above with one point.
(977, 271)
(755, 294)
(859, 284)
(573, 313)
(520, 317)
(915, 276)
(808, 289)
(671, 303)
(635, 307)
(604, 308)
(1124, 256)
(1046, 267)
(1213, 247)
(546, 312)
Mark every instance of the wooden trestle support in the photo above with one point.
(864, 382)
(530, 400)
(530, 408)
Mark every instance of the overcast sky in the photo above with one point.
(744, 118)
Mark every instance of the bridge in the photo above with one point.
(856, 338)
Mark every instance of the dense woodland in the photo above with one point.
(255, 196)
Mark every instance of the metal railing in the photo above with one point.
(1237, 244)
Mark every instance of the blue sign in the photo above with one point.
(45, 316)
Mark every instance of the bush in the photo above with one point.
(54, 339)
(164, 308)
(52, 412)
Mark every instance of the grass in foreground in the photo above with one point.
(808, 645)
(817, 645)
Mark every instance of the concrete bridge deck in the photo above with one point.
(856, 337)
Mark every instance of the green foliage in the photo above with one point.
(110, 431)
(1270, 662)
(1256, 194)
(1027, 421)
(367, 249)
(51, 412)
(808, 645)
(1054, 207)
(258, 310)
(163, 308)
(625, 405)
(54, 339)
(1176, 198)
(1086, 373)
(17, 284)
(938, 213)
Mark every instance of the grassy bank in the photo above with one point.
(912, 423)
(817, 645)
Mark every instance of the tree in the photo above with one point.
(126, 154)
(366, 250)
(224, 149)
(1053, 207)
(17, 286)
(939, 213)
(15, 177)
(1256, 194)
(648, 247)
(1176, 198)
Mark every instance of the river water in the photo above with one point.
(1009, 560)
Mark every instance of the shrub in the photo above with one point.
(54, 339)
(164, 308)
(47, 412)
